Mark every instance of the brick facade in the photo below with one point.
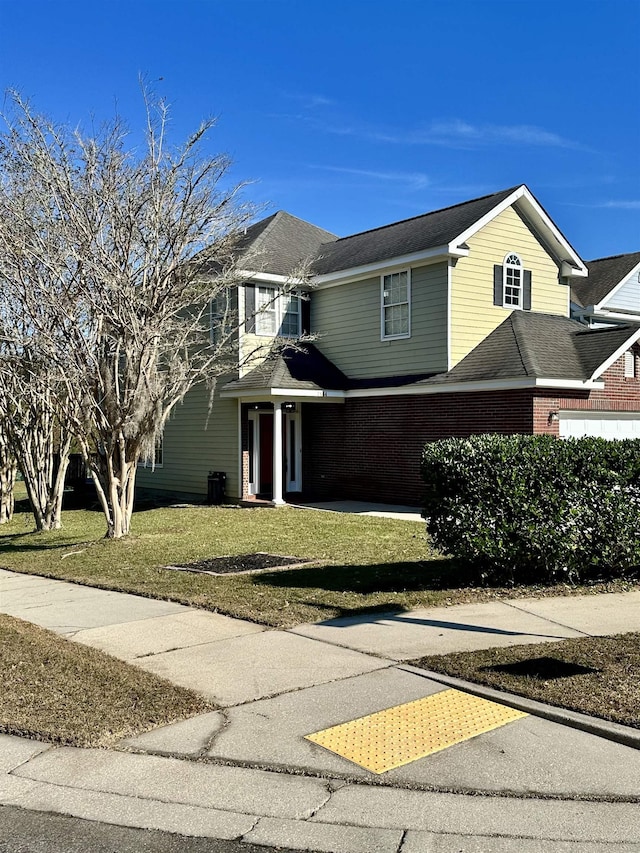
(369, 447)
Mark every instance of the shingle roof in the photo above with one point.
(302, 368)
(280, 243)
(420, 233)
(533, 345)
(604, 275)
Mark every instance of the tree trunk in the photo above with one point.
(8, 469)
(43, 479)
(114, 476)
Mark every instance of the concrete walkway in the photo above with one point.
(403, 513)
(543, 782)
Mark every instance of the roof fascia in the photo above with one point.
(269, 277)
(428, 256)
(619, 316)
(480, 385)
(251, 394)
(540, 219)
(625, 278)
(633, 337)
(283, 394)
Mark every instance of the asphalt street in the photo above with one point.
(23, 831)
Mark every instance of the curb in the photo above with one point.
(616, 732)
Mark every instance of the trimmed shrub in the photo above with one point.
(534, 509)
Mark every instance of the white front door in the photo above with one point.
(260, 447)
(292, 452)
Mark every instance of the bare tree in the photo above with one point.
(33, 267)
(125, 251)
(35, 435)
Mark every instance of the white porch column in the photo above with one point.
(277, 454)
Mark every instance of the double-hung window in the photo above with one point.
(266, 311)
(396, 305)
(290, 315)
(512, 282)
(277, 313)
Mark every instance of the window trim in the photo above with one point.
(383, 307)
(277, 304)
(505, 282)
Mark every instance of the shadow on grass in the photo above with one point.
(438, 574)
(7, 546)
(542, 668)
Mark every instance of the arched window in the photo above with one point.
(512, 281)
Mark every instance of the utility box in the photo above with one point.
(216, 482)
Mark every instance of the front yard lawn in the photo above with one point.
(599, 676)
(359, 563)
(62, 692)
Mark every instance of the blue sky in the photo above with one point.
(355, 114)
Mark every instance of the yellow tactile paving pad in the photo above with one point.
(399, 735)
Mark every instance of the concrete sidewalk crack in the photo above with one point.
(251, 829)
(510, 603)
(314, 812)
(402, 840)
(28, 760)
(226, 722)
(370, 654)
(190, 646)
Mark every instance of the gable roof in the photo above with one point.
(604, 275)
(427, 231)
(280, 244)
(540, 346)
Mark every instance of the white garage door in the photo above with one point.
(600, 424)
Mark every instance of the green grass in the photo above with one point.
(358, 563)
(62, 692)
(609, 688)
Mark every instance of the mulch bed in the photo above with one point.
(239, 563)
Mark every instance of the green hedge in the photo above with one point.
(531, 509)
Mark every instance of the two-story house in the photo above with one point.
(448, 324)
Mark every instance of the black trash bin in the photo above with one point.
(216, 482)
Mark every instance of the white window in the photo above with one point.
(290, 325)
(396, 305)
(277, 313)
(512, 282)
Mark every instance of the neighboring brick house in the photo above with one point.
(447, 324)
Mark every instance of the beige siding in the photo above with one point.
(473, 314)
(192, 447)
(347, 321)
(253, 350)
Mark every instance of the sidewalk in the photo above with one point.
(248, 772)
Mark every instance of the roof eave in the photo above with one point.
(269, 277)
(472, 386)
(281, 393)
(426, 256)
(572, 265)
(630, 341)
(625, 278)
